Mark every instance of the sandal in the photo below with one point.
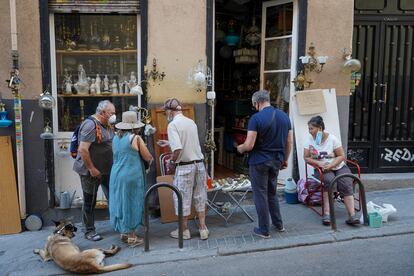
(326, 220)
(124, 238)
(352, 220)
(133, 242)
(93, 236)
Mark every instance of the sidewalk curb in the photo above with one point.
(174, 255)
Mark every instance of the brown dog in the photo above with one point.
(66, 254)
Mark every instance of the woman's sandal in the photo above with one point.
(133, 242)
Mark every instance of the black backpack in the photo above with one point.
(74, 141)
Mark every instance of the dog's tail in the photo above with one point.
(114, 267)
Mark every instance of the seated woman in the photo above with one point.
(324, 150)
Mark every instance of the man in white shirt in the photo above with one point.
(190, 173)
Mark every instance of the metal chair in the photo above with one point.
(314, 185)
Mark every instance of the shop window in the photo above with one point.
(95, 58)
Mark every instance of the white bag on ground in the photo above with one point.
(385, 210)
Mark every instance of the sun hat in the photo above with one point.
(129, 121)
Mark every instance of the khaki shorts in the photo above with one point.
(191, 182)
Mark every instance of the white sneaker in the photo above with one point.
(204, 233)
(186, 234)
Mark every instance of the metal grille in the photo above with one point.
(361, 110)
(94, 6)
(396, 117)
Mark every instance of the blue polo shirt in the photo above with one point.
(271, 136)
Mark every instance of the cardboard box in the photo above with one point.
(166, 201)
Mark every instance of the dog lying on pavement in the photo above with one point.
(60, 248)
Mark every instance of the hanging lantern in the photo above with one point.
(46, 100)
(232, 38)
(47, 132)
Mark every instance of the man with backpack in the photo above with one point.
(94, 161)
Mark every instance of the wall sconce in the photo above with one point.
(311, 62)
(301, 82)
(47, 131)
(153, 74)
(200, 76)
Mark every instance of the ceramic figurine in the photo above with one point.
(93, 86)
(114, 87)
(67, 83)
(126, 87)
(98, 84)
(132, 80)
(106, 84)
(82, 86)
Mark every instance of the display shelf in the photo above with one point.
(96, 52)
(95, 96)
(239, 128)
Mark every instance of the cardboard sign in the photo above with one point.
(310, 102)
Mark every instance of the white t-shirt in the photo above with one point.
(324, 151)
(183, 135)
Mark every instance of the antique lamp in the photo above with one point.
(200, 76)
(46, 100)
(47, 131)
(351, 64)
(311, 62)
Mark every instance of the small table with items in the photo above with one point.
(234, 191)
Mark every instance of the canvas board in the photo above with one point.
(300, 124)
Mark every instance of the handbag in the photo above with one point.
(147, 164)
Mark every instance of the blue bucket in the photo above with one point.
(291, 198)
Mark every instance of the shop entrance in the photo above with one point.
(254, 44)
(381, 126)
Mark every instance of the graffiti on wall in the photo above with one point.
(397, 155)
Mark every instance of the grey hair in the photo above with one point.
(102, 105)
(261, 96)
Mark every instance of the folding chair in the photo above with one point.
(314, 185)
(165, 166)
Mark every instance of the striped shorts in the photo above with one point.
(191, 182)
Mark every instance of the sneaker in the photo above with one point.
(186, 234)
(257, 232)
(204, 233)
(93, 236)
(280, 228)
(352, 220)
(326, 220)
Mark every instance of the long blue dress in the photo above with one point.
(126, 186)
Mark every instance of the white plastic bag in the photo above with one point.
(385, 210)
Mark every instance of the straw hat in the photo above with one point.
(129, 121)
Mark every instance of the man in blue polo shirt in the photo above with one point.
(269, 142)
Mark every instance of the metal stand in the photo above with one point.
(146, 215)
(331, 199)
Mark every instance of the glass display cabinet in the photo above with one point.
(94, 57)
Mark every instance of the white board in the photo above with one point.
(300, 124)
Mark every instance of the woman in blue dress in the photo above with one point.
(127, 180)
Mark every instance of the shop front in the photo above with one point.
(95, 55)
